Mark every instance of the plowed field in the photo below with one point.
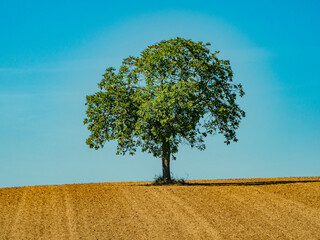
(278, 208)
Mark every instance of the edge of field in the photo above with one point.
(229, 181)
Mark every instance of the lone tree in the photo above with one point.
(175, 92)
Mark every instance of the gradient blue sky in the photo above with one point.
(53, 54)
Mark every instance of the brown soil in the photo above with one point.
(277, 208)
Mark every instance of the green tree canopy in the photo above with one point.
(175, 92)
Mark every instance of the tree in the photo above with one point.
(175, 92)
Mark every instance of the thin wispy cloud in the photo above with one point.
(69, 65)
(30, 70)
(6, 69)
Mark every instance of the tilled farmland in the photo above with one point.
(277, 208)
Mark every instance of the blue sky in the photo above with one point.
(53, 54)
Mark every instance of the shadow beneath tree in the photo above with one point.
(243, 183)
(249, 183)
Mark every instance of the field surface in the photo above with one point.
(277, 208)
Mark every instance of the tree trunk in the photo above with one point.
(166, 162)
